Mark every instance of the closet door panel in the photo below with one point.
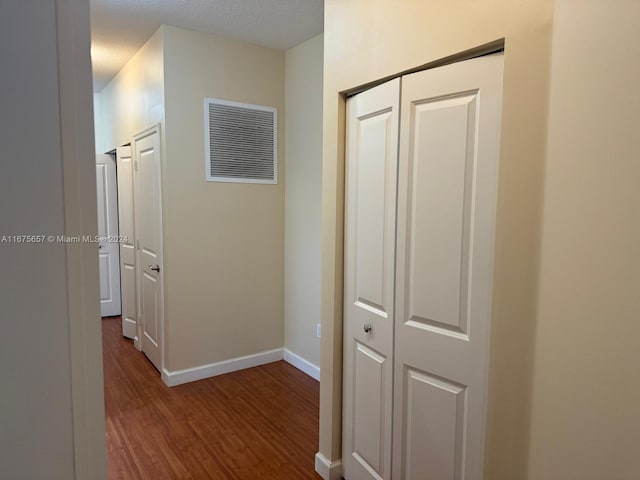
(371, 175)
(449, 134)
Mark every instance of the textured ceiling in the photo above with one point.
(120, 27)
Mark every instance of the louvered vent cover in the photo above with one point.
(240, 142)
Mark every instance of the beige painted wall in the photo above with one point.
(366, 40)
(586, 394)
(223, 242)
(134, 99)
(303, 198)
(97, 124)
(52, 402)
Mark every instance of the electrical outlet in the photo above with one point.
(318, 330)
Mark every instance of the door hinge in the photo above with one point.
(138, 244)
(135, 165)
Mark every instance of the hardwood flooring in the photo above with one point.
(259, 423)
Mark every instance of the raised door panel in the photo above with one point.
(105, 275)
(373, 263)
(150, 307)
(441, 172)
(103, 255)
(147, 200)
(101, 190)
(371, 177)
(370, 382)
(129, 304)
(435, 410)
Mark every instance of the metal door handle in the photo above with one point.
(367, 327)
(156, 268)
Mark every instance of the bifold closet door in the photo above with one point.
(371, 168)
(447, 177)
(127, 245)
(108, 254)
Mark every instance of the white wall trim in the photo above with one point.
(302, 364)
(179, 377)
(187, 375)
(80, 214)
(328, 470)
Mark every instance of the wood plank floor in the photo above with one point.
(259, 423)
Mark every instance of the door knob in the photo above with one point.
(367, 328)
(156, 268)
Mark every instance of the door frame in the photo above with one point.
(80, 206)
(153, 129)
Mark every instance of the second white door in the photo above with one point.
(148, 231)
(108, 252)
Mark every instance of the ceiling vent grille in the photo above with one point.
(240, 142)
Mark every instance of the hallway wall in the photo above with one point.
(586, 392)
(134, 99)
(367, 40)
(303, 198)
(223, 242)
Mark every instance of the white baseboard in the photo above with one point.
(328, 470)
(179, 377)
(302, 364)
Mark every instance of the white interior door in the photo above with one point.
(371, 166)
(148, 230)
(108, 253)
(446, 208)
(127, 243)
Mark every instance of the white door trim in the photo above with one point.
(178, 377)
(328, 470)
(85, 328)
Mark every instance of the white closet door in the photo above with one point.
(371, 169)
(108, 251)
(127, 245)
(446, 209)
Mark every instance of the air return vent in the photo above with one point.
(240, 142)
